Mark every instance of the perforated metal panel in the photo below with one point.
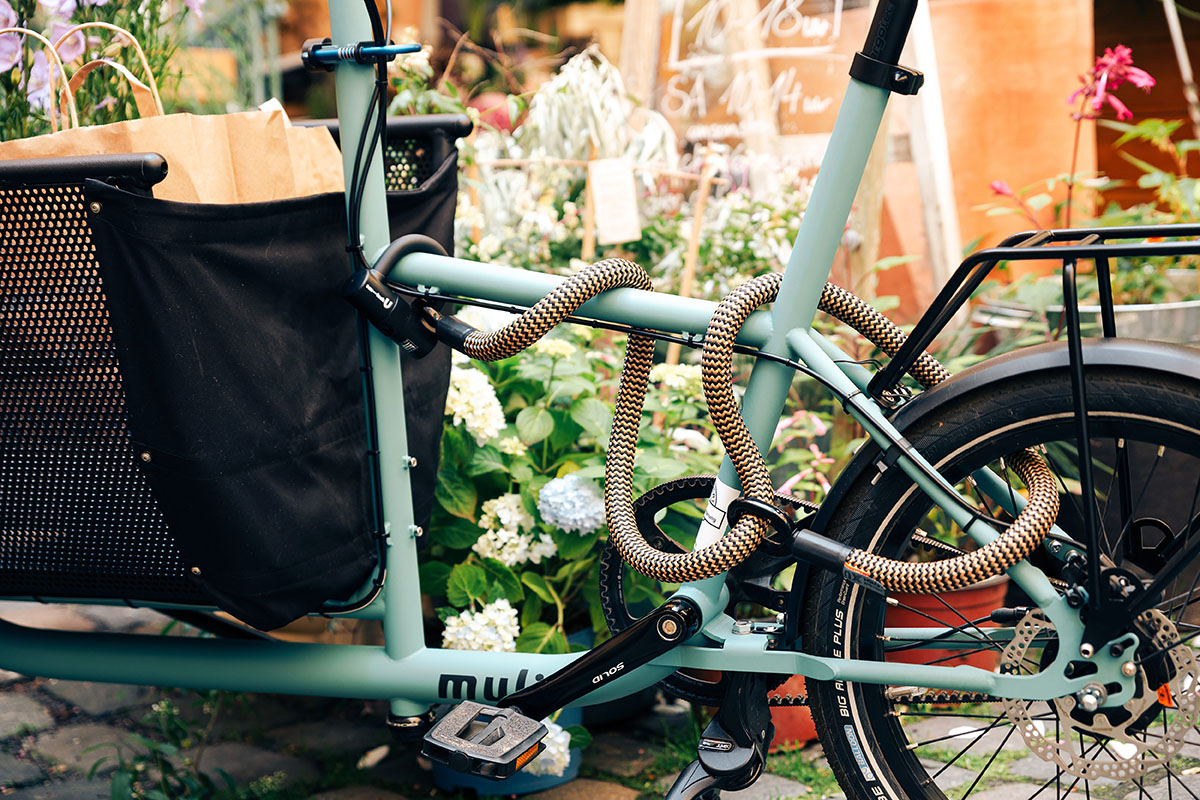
(408, 163)
(76, 516)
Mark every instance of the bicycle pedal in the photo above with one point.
(484, 740)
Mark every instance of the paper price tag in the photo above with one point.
(614, 200)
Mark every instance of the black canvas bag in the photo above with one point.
(240, 365)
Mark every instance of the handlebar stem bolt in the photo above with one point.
(1129, 669)
(741, 627)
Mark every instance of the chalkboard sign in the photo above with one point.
(762, 76)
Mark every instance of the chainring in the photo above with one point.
(750, 581)
(1116, 752)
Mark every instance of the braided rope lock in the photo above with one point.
(1013, 544)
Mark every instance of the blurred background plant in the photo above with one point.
(1028, 308)
(28, 79)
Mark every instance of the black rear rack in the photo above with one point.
(1068, 246)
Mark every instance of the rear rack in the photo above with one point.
(1068, 246)
(1089, 244)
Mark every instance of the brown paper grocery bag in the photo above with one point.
(249, 157)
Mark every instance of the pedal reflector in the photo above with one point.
(484, 740)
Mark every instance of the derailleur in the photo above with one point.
(733, 748)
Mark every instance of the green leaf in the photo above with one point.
(534, 638)
(459, 534)
(445, 612)
(595, 471)
(455, 493)
(537, 584)
(660, 467)
(557, 644)
(522, 472)
(1039, 201)
(487, 459)
(571, 387)
(572, 546)
(566, 433)
(593, 415)
(1144, 166)
(531, 610)
(510, 585)
(433, 575)
(122, 785)
(534, 424)
(457, 445)
(580, 738)
(467, 582)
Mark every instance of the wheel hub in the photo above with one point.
(1166, 686)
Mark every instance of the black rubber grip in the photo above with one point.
(454, 332)
(889, 29)
(820, 551)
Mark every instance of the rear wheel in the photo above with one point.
(887, 741)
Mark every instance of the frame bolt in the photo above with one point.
(668, 627)
(741, 627)
(1115, 649)
(1086, 650)
(410, 461)
(1129, 669)
(417, 531)
(1092, 697)
(94, 207)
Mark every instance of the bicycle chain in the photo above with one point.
(912, 698)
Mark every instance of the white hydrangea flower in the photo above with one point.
(511, 548)
(512, 446)
(494, 628)
(681, 379)
(506, 522)
(506, 512)
(557, 348)
(555, 759)
(473, 401)
(572, 504)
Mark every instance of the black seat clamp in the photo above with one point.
(892, 77)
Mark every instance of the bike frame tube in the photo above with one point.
(412, 676)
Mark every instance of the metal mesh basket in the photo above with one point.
(77, 518)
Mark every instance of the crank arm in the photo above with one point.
(668, 625)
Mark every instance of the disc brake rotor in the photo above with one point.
(1120, 746)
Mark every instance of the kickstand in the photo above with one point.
(733, 748)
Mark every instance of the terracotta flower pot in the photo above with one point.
(973, 603)
(794, 726)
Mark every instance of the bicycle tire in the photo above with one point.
(881, 747)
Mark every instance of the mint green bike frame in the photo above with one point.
(412, 676)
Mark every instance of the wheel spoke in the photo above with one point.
(1146, 440)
